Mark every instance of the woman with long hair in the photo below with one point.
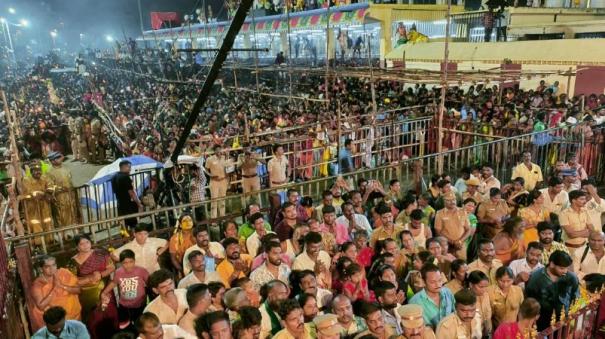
(525, 325)
(509, 243)
(534, 213)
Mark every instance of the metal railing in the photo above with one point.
(503, 154)
(388, 140)
(579, 322)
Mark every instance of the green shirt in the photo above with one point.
(245, 230)
(432, 313)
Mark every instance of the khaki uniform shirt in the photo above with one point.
(451, 223)
(217, 167)
(505, 308)
(451, 327)
(277, 168)
(478, 265)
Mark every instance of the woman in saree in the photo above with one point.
(54, 287)
(515, 195)
(534, 213)
(92, 267)
(509, 243)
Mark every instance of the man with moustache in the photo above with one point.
(293, 321)
(465, 322)
(575, 221)
(349, 322)
(373, 317)
(486, 263)
(522, 268)
(198, 274)
(273, 268)
(235, 265)
(314, 259)
(436, 301)
(554, 287)
(277, 291)
(412, 323)
(213, 251)
(546, 234)
(589, 259)
(170, 304)
(386, 294)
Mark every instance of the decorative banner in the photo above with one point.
(304, 21)
(245, 27)
(336, 17)
(260, 25)
(220, 29)
(361, 13)
(315, 19)
(294, 22)
(276, 24)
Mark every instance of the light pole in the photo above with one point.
(10, 40)
(53, 35)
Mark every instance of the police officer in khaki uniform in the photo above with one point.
(412, 323)
(95, 140)
(248, 163)
(465, 323)
(217, 165)
(74, 136)
(327, 326)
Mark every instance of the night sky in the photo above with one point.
(95, 19)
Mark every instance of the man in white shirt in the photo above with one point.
(595, 205)
(211, 249)
(589, 258)
(198, 300)
(522, 268)
(273, 268)
(149, 327)
(308, 284)
(278, 167)
(353, 221)
(170, 304)
(253, 243)
(314, 259)
(555, 197)
(146, 249)
(198, 274)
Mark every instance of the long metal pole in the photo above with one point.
(236, 24)
(10, 40)
(443, 89)
(328, 37)
(140, 16)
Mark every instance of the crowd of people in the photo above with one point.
(469, 257)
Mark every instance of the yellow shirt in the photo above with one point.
(505, 307)
(380, 234)
(285, 334)
(531, 176)
(577, 221)
(454, 285)
(225, 269)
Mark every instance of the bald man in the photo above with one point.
(589, 258)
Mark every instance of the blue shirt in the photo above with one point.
(73, 329)
(345, 160)
(430, 312)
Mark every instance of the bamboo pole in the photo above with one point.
(443, 88)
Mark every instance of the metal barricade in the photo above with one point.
(503, 154)
(578, 323)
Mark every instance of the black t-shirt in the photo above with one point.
(121, 184)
